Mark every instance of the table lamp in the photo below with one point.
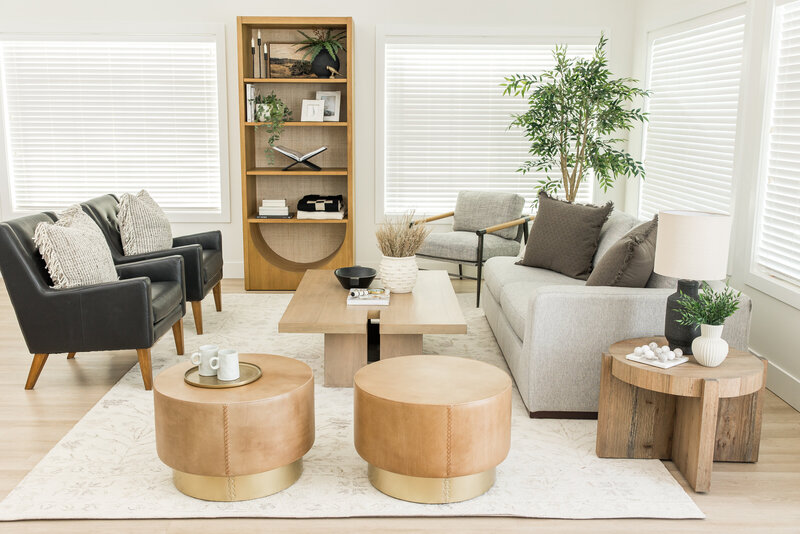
(691, 246)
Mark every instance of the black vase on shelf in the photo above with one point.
(681, 336)
(320, 64)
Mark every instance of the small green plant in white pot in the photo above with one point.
(399, 240)
(709, 310)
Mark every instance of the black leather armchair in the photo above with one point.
(131, 313)
(202, 255)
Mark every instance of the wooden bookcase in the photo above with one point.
(278, 251)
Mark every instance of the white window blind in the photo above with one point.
(778, 245)
(84, 118)
(446, 122)
(689, 141)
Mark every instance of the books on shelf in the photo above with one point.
(298, 156)
(321, 215)
(250, 99)
(273, 208)
(287, 216)
(369, 297)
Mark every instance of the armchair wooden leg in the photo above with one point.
(480, 268)
(218, 295)
(145, 364)
(460, 272)
(177, 333)
(71, 356)
(197, 311)
(36, 369)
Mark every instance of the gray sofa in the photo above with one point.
(552, 329)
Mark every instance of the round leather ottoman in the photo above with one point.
(432, 428)
(238, 443)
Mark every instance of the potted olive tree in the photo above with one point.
(709, 310)
(399, 240)
(575, 111)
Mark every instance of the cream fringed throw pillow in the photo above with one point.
(75, 250)
(142, 224)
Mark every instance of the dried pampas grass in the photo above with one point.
(398, 237)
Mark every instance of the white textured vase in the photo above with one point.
(399, 274)
(710, 349)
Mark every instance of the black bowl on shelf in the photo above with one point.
(356, 276)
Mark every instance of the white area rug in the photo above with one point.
(107, 467)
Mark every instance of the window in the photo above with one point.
(694, 76)
(88, 117)
(445, 119)
(778, 243)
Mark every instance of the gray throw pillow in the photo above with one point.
(476, 210)
(74, 250)
(143, 225)
(629, 261)
(564, 236)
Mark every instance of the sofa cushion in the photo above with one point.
(464, 246)
(74, 250)
(618, 224)
(516, 296)
(143, 225)
(212, 263)
(504, 270)
(166, 297)
(629, 263)
(564, 236)
(476, 210)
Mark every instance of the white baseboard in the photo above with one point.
(782, 383)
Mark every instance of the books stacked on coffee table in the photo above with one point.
(368, 297)
(273, 209)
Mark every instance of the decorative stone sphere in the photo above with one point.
(665, 348)
(649, 354)
(638, 351)
(670, 355)
(653, 345)
(678, 353)
(662, 356)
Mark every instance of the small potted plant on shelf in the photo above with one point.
(709, 310)
(399, 240)
(322, 48)
(272, 113)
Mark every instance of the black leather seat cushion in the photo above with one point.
(166, 297)
(212, 263)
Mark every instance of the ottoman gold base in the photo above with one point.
(431, 490)
(238, 488)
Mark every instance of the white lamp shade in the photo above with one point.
(692, 245)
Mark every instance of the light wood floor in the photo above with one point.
(751, 498)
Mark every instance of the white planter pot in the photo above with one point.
(399, 274)
(710, 349)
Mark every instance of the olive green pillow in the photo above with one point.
(564, 236)
(629, 261)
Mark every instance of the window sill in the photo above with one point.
(778, 289)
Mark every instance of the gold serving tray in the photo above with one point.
(248, 373)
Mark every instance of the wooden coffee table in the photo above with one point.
(691, 414)
(320, 306)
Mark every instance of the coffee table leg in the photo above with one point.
(693, 438)
(344, 355)
(400, 345)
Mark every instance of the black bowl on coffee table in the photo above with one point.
(355, 277)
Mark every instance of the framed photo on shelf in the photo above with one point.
(332, 101)
(286, 61)
(313, 111)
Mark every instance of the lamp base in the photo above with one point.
(680, 336)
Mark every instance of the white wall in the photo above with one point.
(615, 16)
(775, 327)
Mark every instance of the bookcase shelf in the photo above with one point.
(278, 251)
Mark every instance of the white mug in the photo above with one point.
(228, 364)
(207, 360)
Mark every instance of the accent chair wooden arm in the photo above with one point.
(509, 224)
(434, 218)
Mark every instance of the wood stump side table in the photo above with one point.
(691, 414)
(239, 443)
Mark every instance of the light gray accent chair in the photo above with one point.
(553, 329)
(486, 224)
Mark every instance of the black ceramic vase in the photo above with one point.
(680, 336)
(320, 64)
